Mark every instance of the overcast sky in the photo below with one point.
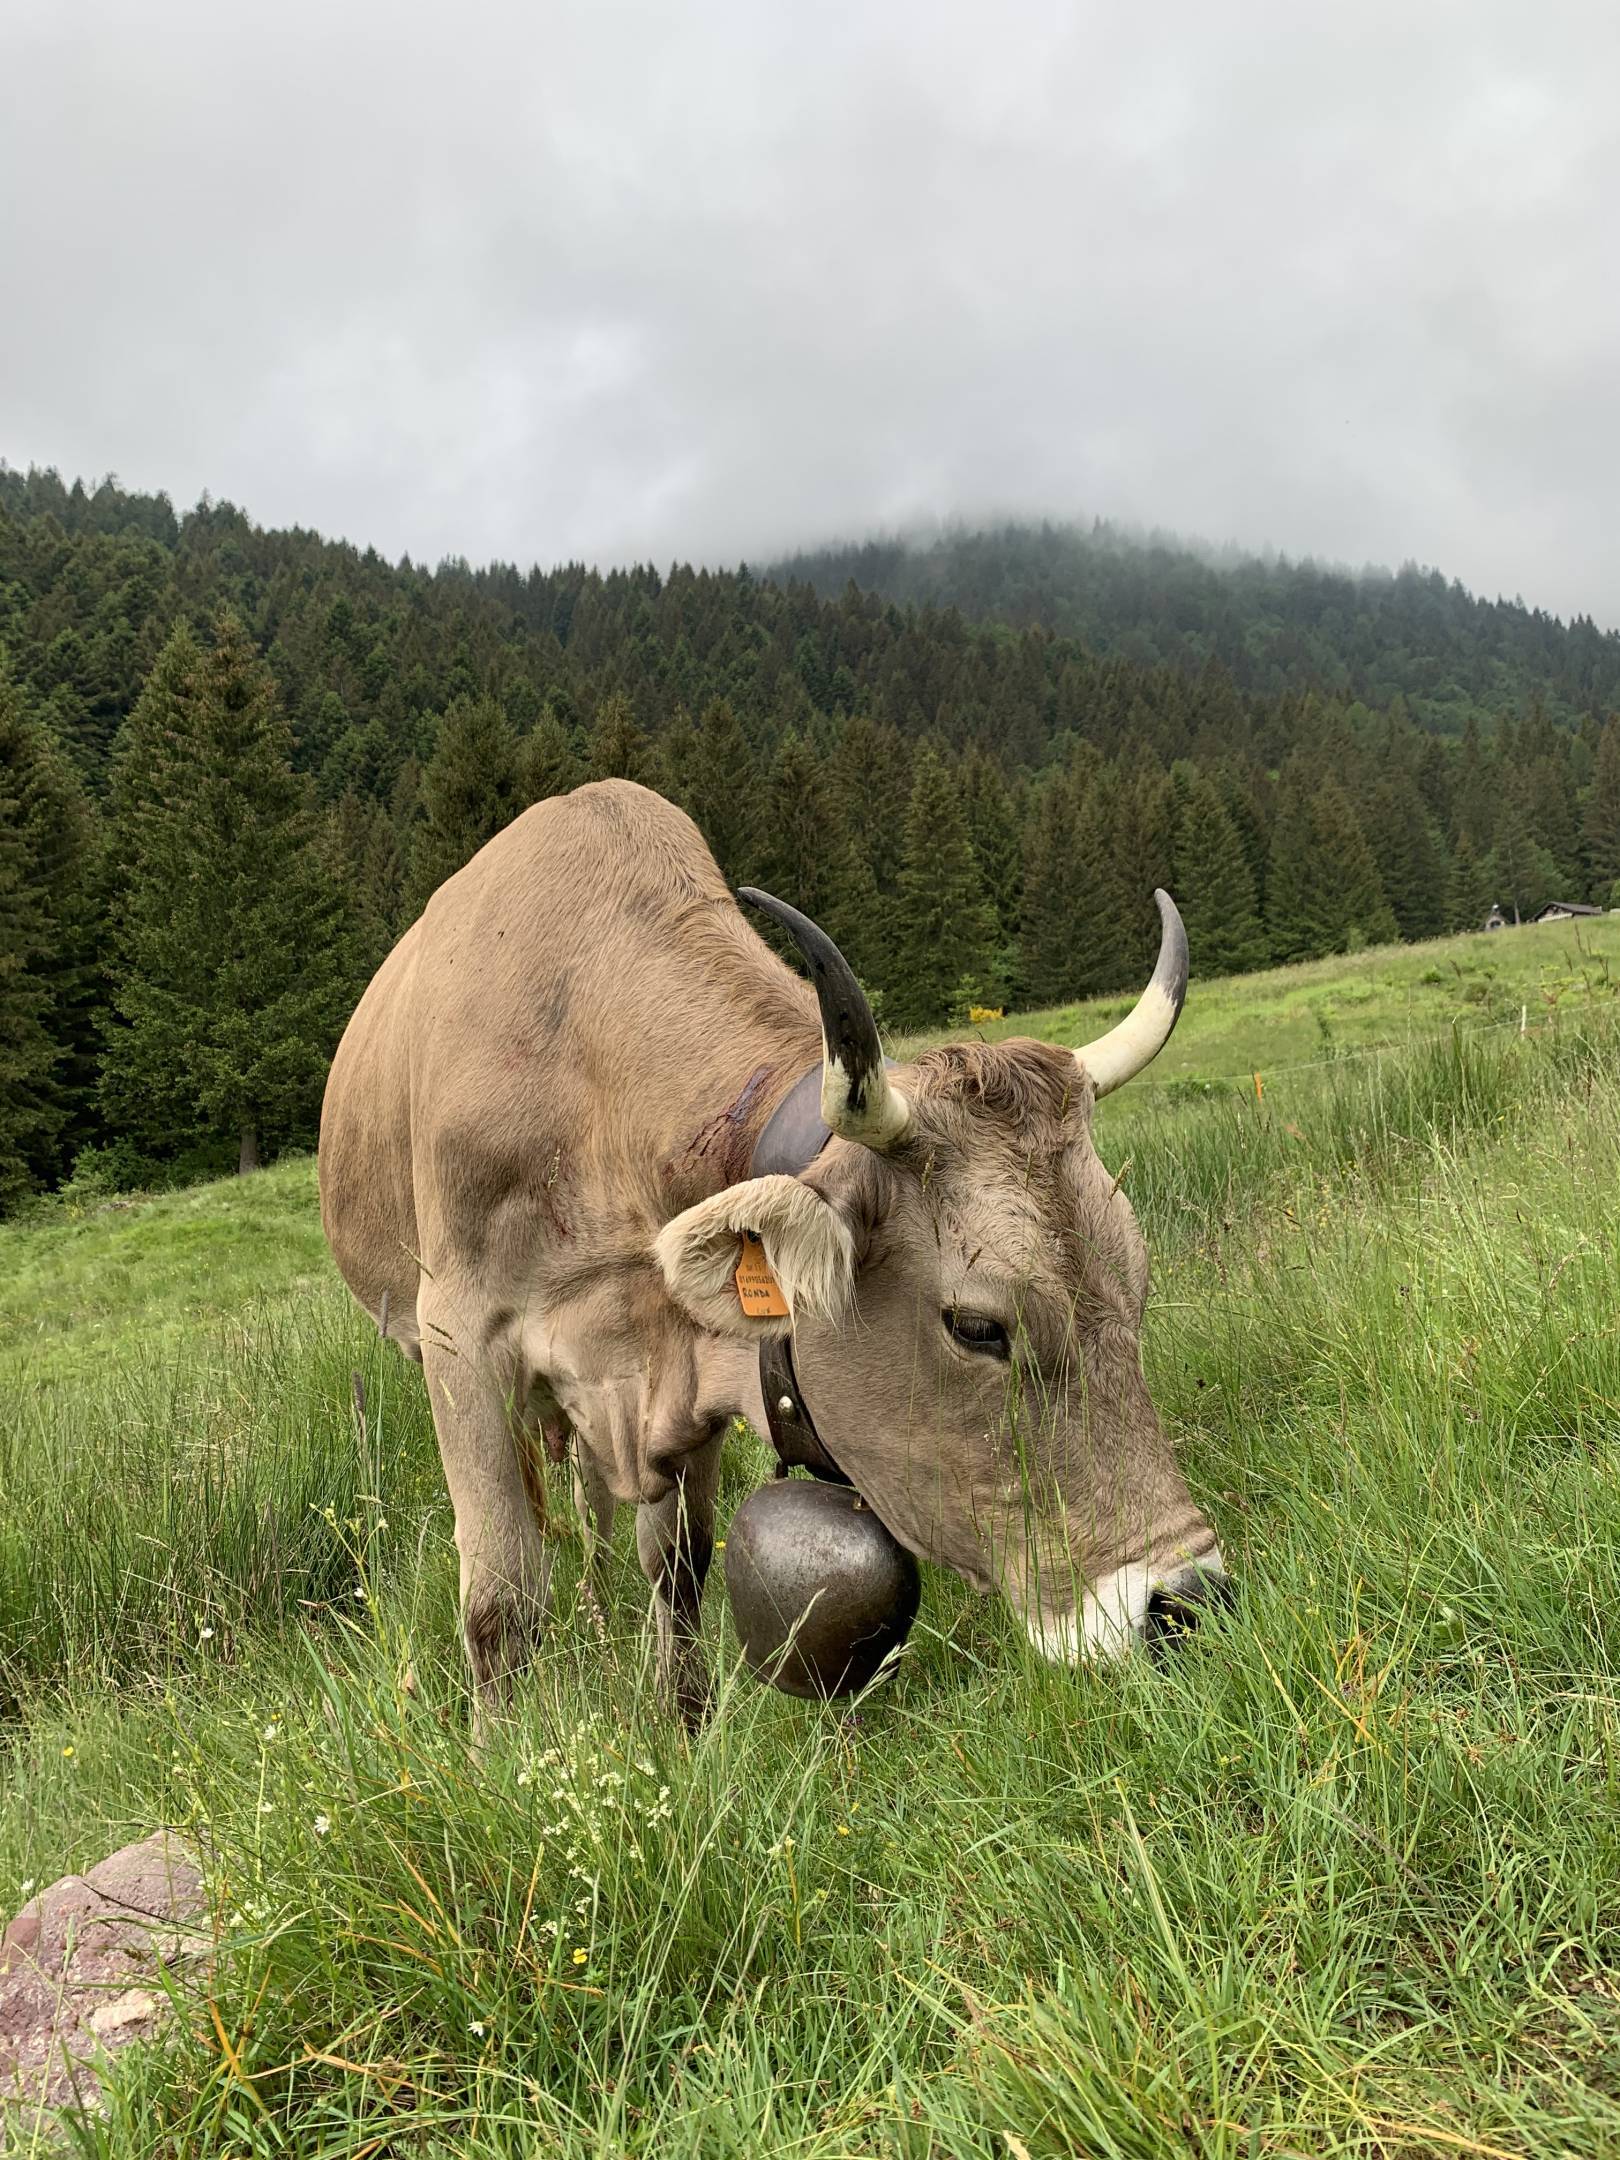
(714, 279)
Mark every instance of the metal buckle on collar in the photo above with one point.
(794, 1136)
(793, 1431)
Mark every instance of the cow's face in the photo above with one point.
(983, 1387)
(965, 1284)
(967, 1310)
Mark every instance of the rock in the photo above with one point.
(81, 1970)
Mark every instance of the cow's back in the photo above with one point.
(367, 1204)
(542, 1047)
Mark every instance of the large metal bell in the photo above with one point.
(820, 1591)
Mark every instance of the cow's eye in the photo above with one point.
(977, 1331)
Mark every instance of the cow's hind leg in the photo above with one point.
(675, 1541)
(504, 1563)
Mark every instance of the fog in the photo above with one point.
(717, 280)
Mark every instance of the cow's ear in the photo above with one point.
(808, 1254)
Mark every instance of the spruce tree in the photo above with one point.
(1602, 818)
(1291, 929)
(996, 831)
(1323, 892)
(30, 1113)
(616, 749)
(546, 763)
(1469, 895)
(59, 835)
(1074, 941)
(1211, 881)
(233, 965)
(364, 859)
(1136, 857)
(722, 793)
(945, 927)
(1347, 905)
(1408, 858)
(469, 791)
(807, 858)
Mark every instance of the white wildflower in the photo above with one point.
(321, 1825)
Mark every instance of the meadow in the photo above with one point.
(1342, 1878)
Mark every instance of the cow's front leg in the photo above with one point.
(593, 1501)
(504, 1563)
(675, 1540)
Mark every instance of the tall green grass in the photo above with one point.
(1343, 1878)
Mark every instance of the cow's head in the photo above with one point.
(966, 1283)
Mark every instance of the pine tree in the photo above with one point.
(1137, 857)
(1290, 874)
(469, 791)
(1523, 876)
(995, 828)
(808, 859)
(1073, 941)
(1408, 858)
(722, 793)
(616, 748)
(1323, 893)
(546, 763)
(945, 927)
(1602, 819)
(60, 845)
(364, 858)
(873, 772)
(1469, 897)
(1211, 880)
(1347, 906)
(30, 1112)
(232, 955)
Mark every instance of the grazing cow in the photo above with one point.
(538, 1160)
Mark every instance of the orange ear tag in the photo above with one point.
(757, 1288)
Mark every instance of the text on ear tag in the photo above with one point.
(757, 1287)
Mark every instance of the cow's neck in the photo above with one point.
(724, 1147)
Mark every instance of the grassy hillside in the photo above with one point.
(1343, 1879)
(1388, 997)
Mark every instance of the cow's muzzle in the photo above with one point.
(1136, 1604)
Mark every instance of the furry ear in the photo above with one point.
(807, 1245)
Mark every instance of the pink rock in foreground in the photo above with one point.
(81, 1969)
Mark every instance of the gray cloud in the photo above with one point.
(627, 280)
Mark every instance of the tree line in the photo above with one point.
(1275, 625)
(234, 764)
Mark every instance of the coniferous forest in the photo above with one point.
(235, 762)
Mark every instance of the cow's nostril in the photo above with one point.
(1174, 1610)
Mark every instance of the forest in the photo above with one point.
(1274, 625)
(234, 763)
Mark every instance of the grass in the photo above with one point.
(83, 1278)
(1384, 998)
(1342, 1879)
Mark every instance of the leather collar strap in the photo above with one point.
(794, 1136)
(792, 1429)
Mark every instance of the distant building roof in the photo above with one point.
(1555, 910)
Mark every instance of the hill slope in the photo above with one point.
(1275, 625)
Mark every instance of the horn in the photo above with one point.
(1120, 1055)
(857, 1099)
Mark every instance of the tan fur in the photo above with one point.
(539, 1126)
(808, 1248)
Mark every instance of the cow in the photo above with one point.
(537, 1167)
